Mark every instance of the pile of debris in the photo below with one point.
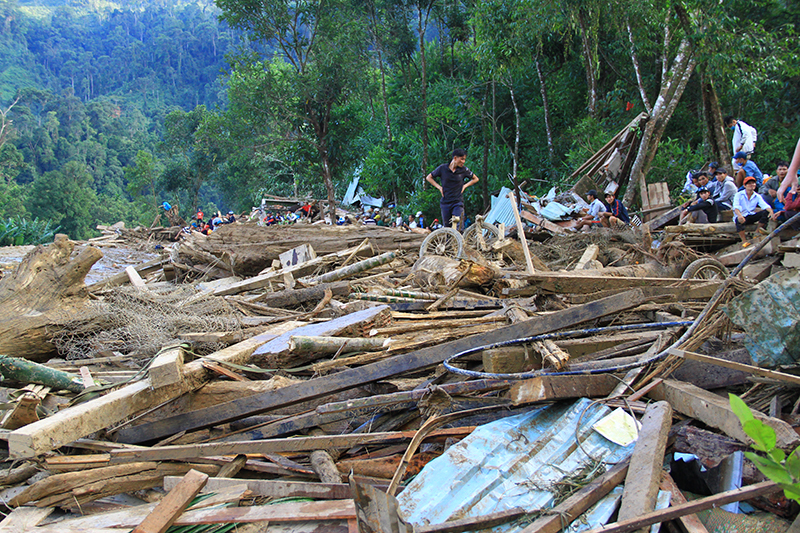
(312, 378)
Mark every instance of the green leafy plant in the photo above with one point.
(774, 463)
(19, 231)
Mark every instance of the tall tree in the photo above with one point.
(317, 66)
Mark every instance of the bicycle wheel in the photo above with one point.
(446, 242)
(705, 268)
(481, 236)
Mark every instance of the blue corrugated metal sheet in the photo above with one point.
(501, 210)
(513, 462)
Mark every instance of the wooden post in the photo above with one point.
(521, 233)
(644, 473)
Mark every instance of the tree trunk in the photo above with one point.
(712, 116)
(423, 24)
(46, 291)
(485, 164)
(670, 94)
(590, 58)
(546, 107)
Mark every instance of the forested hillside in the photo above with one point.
(84, 89)
(110, 109)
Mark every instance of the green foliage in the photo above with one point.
(673, 159)
(772, 462)
(19, 231)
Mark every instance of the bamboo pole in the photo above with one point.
(24, 371)
(355, 268)
(304, 344)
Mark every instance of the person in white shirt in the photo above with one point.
(745, 204)
(744, 135)
(592, 215)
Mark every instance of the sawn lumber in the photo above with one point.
(415, 360)
(83, 419)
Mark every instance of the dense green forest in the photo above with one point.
(108, 109)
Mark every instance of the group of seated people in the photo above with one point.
(609, 214)
(751, 195)
(205, 227)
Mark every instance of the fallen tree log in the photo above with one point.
(251, 248)
(46, 291)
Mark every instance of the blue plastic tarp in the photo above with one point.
(769, 314)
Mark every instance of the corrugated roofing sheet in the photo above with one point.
(513, 462)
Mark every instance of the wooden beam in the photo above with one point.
(546, 388)
(299, 444)
(399, 364)
(772, 374)
(84, 419)
(173, 504)
(677, 511)
(167, 368)
(644, 472)
(572, 507)
(575, 283)
(715, 411)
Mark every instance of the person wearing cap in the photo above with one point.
(231, 218)
(614, 215)
(420, 220)
(748, 169)
(592, 215)
(379, 220)
(745, 205)
(436, 224)
(453, 176)
(725, 190)
(703, 210)
(744, 135)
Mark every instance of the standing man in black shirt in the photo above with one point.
(453, 186)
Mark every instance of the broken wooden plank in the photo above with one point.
(476, 523)
(773, 374)
(715, 411)
(521, 234)
(122, 278)
(677, 511)
(24, 519)
(590, 254)
(276, 489)
(136, 279)
(548, 388)
(644, 472)
(416, 360)
(580, 501)
(173, 504)
(690, 522)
